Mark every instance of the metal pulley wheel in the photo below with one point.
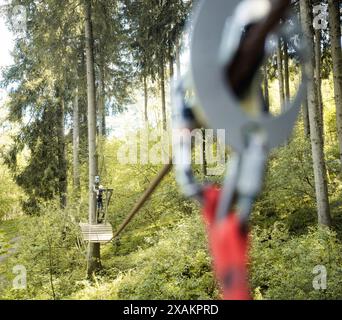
(216, 32)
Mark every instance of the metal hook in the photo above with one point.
(251, 138)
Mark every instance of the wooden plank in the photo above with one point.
(101, 233)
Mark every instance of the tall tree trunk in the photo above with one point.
(305, 107)
(62, 163)
(76, 143)
(83, 108)
(335, 35)
(94, 257)
(266, 90)
(102, 102)
(178, 62)
(104, 126)
(320, 173)
(318, 75)
(306, 121)
(146, 100)
(171, 71)
(162, 89)
(101, 120)
(280, 74)
(286, 72)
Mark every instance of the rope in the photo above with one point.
(109, 193)
(147, 194)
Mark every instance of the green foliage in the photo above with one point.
(52, 253)
(165, 273)
(175, 265)
(40, 178)
(10, 195)
(48, 67)
(154, 31)
(8, 232)
(282, 265)
(289, 191)
(163, 252)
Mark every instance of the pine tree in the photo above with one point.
(335, 34)
(94, 257)
(323, 208)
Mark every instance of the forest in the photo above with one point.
(87, 78)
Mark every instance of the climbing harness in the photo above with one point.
(217, 32)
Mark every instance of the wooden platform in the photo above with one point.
(100, 233)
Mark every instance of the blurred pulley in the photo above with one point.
(219, 30)
(216, 33)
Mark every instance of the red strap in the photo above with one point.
(229, 248)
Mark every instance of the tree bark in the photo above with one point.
(146, 100)
(178, 62)
(162, 89)
(83, 108)
(62, 163)
(318, 75)
(102, 102)
(94, 262)
(306, 121)
(171, 71)
(305, 107)
(76, 143)
(266, 90)
(280, 74)
(323, 208)
(286, 72)
(335, 35)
